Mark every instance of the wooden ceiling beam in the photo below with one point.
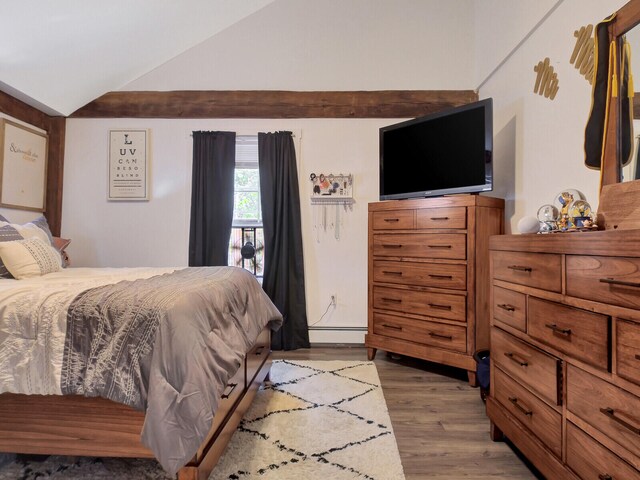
(274, 104)
(20, 110)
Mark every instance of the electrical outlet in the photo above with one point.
(334, 300)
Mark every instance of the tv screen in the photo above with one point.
(447, 152)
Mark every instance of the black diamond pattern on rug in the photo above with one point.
(316, 420)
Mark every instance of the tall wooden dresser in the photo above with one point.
(565, 351)
(429, 277)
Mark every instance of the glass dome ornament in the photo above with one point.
(579, 211)
(548, 217)
(579, 208)
(547, 213)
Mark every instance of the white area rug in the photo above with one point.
(315, 420)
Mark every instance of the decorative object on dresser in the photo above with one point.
(429, 277)
(565, 351)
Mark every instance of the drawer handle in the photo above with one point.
(507, 307)
(512, 357)
(259, 350)
(392, 246)
(391, 220)
(392, 327)
(556, 329)
(392, 300)
(611, 413)
(439, 246)
(446, 277)
(605, 476)
(444, 337)
(389, 272)
(612, 281)
(439, 218)
(516, 404)
(439, 307)
(231, 387)
(520, 268)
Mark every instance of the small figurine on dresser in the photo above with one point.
(569, 213)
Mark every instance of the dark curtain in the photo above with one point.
(283, 266)
(214, 156)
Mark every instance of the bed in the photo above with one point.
(132, 362)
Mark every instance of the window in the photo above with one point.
(246, 202)
(247, 211)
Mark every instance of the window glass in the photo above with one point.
(247, 213)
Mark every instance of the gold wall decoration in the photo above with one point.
(582, 57)
(546, 79)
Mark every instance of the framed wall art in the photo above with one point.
(128, 165)
(23, 167)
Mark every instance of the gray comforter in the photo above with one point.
(166, 345)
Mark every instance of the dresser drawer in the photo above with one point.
(592, 461)
(578, 333)
(422, 245)
(450, 337)
(613, 411)
(452, 217)
(440, 305)
(537, 416)
(628, 350)
(539, 270)
(394, 220)
(614, 280)
(509, 307)
(439, 275)
(527, 364)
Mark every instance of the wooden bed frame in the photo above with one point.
(96, 427)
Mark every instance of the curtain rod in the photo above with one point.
(292, 134)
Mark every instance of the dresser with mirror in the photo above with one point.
(565, 327)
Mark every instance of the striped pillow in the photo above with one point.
(7, 234)
(30, 258)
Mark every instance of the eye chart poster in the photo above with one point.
(128, 165)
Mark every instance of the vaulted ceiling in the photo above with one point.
(59, 55)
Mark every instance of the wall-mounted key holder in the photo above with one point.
(327, 190)
(331, 187)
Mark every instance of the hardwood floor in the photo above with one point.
(439, 421)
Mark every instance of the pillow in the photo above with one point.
(7, 234)
(41, 222)
(30, 258)
(60, 244)
(36, 228)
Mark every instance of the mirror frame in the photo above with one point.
(626, 18)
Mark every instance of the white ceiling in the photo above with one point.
(59, 55)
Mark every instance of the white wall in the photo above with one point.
(156, 232)
(332, 45)
(500, 26)
(538, 142)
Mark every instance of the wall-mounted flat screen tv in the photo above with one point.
(447, 152)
